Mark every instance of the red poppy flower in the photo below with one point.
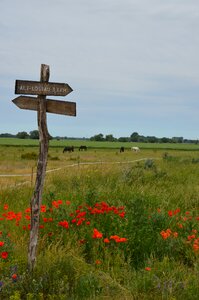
(97, 234)
(5, 206)
(4, 254)
(170, 213)
(148, 269)
(64, 224)
(43, 208)
(106, 240)
(14, 276)
(1, 244)
(98, 262)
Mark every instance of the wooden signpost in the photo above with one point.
(52, 106)
(42, 105)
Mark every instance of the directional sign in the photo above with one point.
(42, 88)
(52, 106)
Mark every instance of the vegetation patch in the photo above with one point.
(29, 156)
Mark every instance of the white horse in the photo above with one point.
(135, 149)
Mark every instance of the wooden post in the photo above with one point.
(41, 170)
(42, 105)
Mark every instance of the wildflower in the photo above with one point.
(55, 204)
(81, 214)
(80, 221)
(97, 234)
(68, 202)
(14, 277)
(27, 210)
(165, 234)
(106, 240)
(177, 210)
(180, 225)
(175, 234)
(5, 207)
(64, 224)
(122, 214)
(45, 220)
(118, 239)
(4, 255)
(190, 237)
(1, 243)
(170, 213)
(43, 208)
(196, 245)
(148, 269)
(98, 262)
(121, 240)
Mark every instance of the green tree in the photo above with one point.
(110, 138)
(123, 139)
(134, 137)
(98, 137)
(22, 135)
(34, 134)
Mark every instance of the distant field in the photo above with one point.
(93, 144)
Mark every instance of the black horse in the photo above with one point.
(121, 149)
(81, 148)
(68, 149)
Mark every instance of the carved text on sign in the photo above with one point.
(42, 88)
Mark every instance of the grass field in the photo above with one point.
(94, 144)
(113, 225)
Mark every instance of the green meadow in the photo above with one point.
(95, 144)
(112, 225)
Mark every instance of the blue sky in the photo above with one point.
(133, 64)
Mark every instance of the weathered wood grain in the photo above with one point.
(52, 106)
(36, 200)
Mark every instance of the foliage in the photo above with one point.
(22, 135)
(34, 134)
(123, 231)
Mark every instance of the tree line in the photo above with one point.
(34, 134)
(134, 137)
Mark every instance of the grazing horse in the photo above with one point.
(68, 149)
(121, 149)
(135, 149)
(83, 148)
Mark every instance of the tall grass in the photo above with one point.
(153, 205)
